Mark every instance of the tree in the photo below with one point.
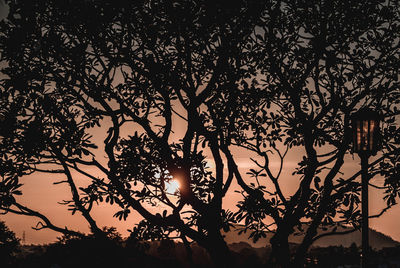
(9, 244)
(74, 69)
(319, 62)
(175, 85)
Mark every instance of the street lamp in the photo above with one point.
(366, 142)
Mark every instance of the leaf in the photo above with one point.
(17, 192)
(85, 152)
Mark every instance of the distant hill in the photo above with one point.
(377, 239)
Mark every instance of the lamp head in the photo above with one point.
(366, 131)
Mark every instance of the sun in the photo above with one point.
(172, 186)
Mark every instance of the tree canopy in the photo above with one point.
(133, 95)
(319, 63)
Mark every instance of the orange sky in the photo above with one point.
(42, 195)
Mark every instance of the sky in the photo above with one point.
(41, 194)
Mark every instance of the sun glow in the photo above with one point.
(172, 187)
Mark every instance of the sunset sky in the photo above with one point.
(41, 194)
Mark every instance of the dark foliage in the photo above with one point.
(9, 245)
(70, 67)
(90, 252)
(172, 88)
(319, 62)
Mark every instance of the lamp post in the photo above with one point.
(365, 125)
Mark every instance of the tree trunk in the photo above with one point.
(280, 254)
(304, 246)
(219, 252)
(189, 251)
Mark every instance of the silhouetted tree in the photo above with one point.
(152, 79)
(174, 86)
(318, 63)
(9, 245)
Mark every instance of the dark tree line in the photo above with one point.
(268, 77)
(9, 245)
